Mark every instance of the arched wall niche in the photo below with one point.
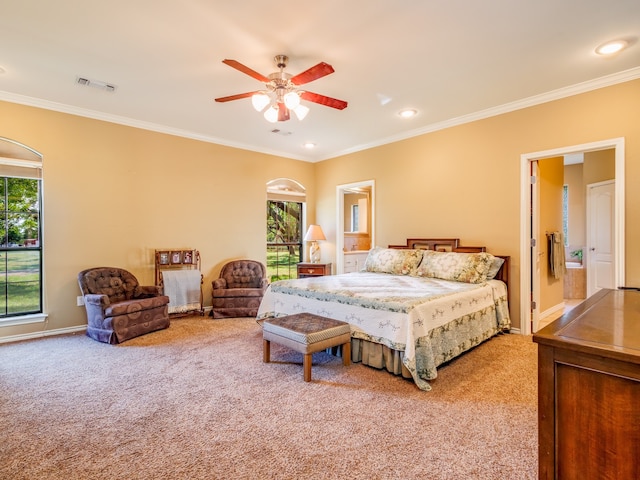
(286, 189)
(10, 149)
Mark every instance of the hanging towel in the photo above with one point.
(183, 289)
(557, 266)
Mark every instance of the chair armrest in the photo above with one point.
(263, 283)
(147, 291)
(96, 304)
(220, 283)
(96, 299)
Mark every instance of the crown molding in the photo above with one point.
(606, 81)
(584, 87)
(131, 122)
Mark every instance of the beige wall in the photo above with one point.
(574, 179)
(597, 167)
(465, 181)
(113, 194)
(551, 179)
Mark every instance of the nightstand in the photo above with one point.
(313, 269)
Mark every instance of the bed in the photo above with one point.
(413, 307)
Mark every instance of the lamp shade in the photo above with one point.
(301, 111)
(260, 100)
(292, 100)
(314, 233)
(271, 114)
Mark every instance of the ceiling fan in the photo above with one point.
(282, 92)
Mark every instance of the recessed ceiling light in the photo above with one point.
(610, 48)
(408, 112)
(309, 145)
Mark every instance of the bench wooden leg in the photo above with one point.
(266, 351)
(306, 364)
(346, 353)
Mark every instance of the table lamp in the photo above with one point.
(314, 234)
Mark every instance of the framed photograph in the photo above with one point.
(176, 257)
(163, 258)
(187, 257)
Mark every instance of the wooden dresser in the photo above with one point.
(589, 390)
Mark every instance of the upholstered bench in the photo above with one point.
(306, 333)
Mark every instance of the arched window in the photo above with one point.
(20, 231)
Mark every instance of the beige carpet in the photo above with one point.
(196, 402)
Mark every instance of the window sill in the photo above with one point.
(23, 320)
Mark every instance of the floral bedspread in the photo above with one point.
(429, 319)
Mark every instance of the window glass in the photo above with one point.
(20, 246)
(284, 239)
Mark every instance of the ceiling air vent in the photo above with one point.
(277, 131)
(85, 82)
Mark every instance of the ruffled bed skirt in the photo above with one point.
(375, 355)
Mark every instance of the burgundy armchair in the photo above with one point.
(239, 290)
(118, 308)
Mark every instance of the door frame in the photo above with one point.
(527, 232)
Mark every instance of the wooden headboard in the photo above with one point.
(453, 245)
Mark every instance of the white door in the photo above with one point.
(600, 238)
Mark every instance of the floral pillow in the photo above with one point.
(460, 267)
(391, 260)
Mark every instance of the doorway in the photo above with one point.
(342, 192)
(529, 282)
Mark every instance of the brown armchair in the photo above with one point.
(239, 290)
(118, 308)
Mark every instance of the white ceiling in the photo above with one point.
(453, 60)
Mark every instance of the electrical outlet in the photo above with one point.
(80, 301)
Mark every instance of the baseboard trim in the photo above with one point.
(551, 311)
(46, 333)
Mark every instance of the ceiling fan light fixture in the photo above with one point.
(260, 100)
(281, 90)
(271, 114)
(292, 100)
(301, 111)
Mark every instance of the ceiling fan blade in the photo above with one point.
(320, 70)
(236, 97)
(244, 69)
(283, 113)
(322, 100)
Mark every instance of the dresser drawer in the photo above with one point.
(313, 269)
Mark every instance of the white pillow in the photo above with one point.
(496, 263)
